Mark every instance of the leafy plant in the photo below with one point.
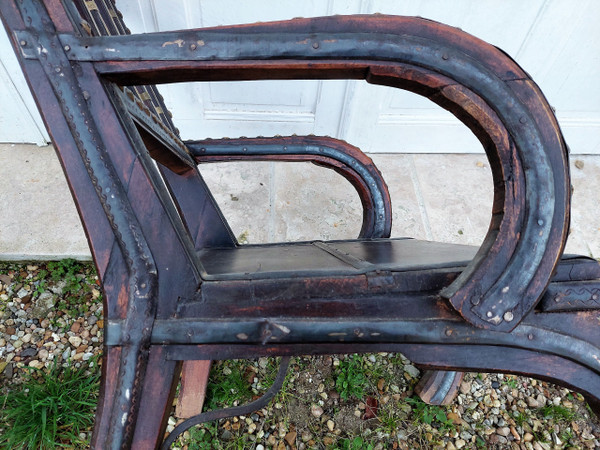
(50, 411)
(350, 380)
(69, 272)
(202, 438)
(511, 382)
(358, 443)
(430, 414)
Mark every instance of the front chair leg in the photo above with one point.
(158, 391)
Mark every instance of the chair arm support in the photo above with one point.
(345, 159)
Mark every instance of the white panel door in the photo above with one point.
(20, 120)
(248, 108)
(551, 39)
(556, 41)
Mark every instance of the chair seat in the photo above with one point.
(368, 278)
(332, 258)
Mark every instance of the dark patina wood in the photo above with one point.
(177, 285)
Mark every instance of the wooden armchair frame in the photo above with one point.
(178, 286)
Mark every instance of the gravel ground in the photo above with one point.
(52, 312)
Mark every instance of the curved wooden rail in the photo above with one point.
(334, 154)
(475, 81)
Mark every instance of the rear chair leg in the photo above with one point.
(192, 393)
(439, 387)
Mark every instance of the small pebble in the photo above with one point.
(75, 341)
(330, 425)
(503, 431)
(316, 410)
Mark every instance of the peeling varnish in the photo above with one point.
(283, 328)
(495, 320)
(337, 334)
(178, 42)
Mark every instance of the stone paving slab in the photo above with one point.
(438, 197)
(38, 219)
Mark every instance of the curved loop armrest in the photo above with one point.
(347, 160)
(478, 83)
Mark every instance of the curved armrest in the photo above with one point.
(347, 160)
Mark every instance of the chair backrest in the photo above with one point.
(125, 164)
(153, 121)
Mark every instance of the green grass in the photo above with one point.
(557, 412)
(227, 384)
(50, 409)
(521, 418)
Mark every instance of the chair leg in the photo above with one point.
(194, 380)
(158, 391)
(110, 371)
(439, 387)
